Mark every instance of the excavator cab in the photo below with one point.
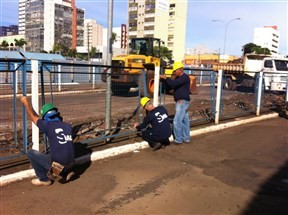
(146, 46)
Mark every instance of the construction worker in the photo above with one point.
(181, 86)
(156, 128)
(61, 157)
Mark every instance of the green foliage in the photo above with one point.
(4, 45)
(20, 43)
(114, 37)
(93, 52)
(165, 53)
(253, 48)
(64, 50)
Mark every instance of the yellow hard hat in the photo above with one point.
(144, 101)
(177, 65)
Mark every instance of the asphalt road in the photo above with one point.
(234, 171)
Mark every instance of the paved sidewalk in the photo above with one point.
(233, 171)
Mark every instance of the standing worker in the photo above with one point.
(61, 158)
(158, 134)
(181, 86)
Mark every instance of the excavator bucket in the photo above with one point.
(193, 86)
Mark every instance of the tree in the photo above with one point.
(253, 48)
(63, 49)
(20, 43)
(4, 45)
(93, 52)
(114, 37)
(165, 53)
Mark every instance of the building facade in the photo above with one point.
(163, 19)
(21, 17)
(47, 23)
(8, 30)
(267, 37)
(93, 33)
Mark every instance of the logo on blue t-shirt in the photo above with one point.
(62, 138)
(160, 117)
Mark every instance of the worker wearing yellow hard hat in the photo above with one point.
(181, 86)
(177, 65)
(144, 101)
(157, 135)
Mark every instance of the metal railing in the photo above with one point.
(78, 90)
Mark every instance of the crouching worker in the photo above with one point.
(60, 160)
(156, 128)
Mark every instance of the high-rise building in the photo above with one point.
(46, 23)
(93, 33)
(21, 17)
(163, 19)
(267, 37)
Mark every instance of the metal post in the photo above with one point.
(16, 77)
(286, 97)
(93, 77)
(286, 100)
(156, 86)
(59, 78)
(218, 96)
(24, 89)
(260, 84)
(35, 102)
(201, 75)
(109, 63)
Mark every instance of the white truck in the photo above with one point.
(275, 71)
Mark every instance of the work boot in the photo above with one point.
(69, 176)
(157, 146)
(37, 182)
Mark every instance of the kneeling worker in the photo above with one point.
(59, 135)
(158, 133)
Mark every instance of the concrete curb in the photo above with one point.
(7, 179)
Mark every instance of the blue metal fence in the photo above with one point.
(64, 82)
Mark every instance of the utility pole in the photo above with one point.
(109, 63)
(88, 48)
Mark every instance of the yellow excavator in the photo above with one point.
(144, 54)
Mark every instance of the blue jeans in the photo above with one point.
(181, 123)
(41, 163)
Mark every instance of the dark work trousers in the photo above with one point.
(147, 136)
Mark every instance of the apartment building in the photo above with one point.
(21, 17)
(45, 23)
(267, 37)
(164, 19)
(93, 33)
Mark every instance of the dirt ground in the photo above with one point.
(200, 109)
(236, 171)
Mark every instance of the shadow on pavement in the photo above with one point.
(79, 169)
(272, 197)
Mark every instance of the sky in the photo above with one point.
(200, 29)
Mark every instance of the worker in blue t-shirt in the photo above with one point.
(181, 86)
(61, 145)
(156, 128)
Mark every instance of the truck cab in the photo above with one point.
(275, 73)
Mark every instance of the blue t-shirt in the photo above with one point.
(158, 118)
(60, 140)
(181, 86)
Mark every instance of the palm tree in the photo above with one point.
(20, 43)
(4, 45)
(114, 37)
